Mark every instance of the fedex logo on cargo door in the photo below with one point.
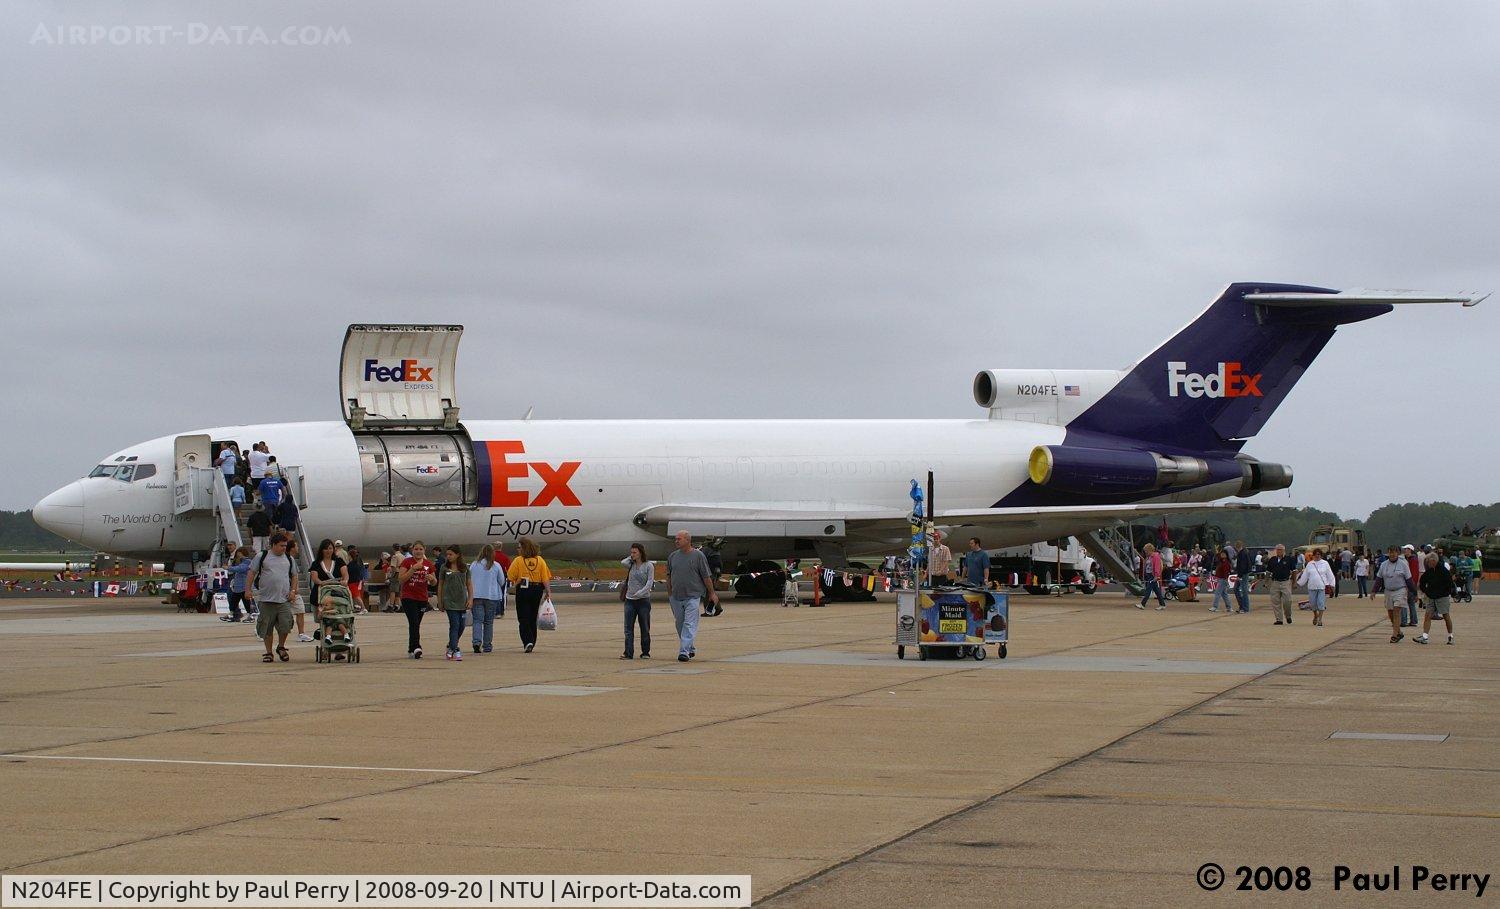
(1230, 381)
(409, 372)
(496, 470)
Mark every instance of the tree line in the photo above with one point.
(1411, 522)
(20, 533)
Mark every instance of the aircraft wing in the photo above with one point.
(777, 520)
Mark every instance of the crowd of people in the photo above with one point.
(263, 586)
(1409, 580)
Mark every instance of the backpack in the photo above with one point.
(260, 563)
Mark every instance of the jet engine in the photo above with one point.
(1262, 476)
(1073, 468)
(1123, 471)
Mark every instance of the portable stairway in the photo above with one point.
(305, 553)
(1112, 550)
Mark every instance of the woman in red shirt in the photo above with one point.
(417, 577)
(1222, 571)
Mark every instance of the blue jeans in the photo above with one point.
(455, 627)
(685, 614)
(638, 611)
(1153, 586)
(1221, 592)
(1409, 613)
(1242, 592)
(1317, 599)
(1364, 585)
(484, 623)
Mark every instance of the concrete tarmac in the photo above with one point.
(1114, 753)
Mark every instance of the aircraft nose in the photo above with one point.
(61, 512)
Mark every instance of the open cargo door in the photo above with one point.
(398, 390)
(400, 376)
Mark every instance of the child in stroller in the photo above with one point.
(336, 625)
(1179, 587)
(1462, 591)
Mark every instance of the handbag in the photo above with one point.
(546, 618)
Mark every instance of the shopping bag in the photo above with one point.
(546, 619)
(221, 603)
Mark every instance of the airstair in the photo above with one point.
(199, 487)
(1112, 550)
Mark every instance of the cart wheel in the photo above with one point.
(979, 653)
(900, 651)
(922, 653)
(1002, 651)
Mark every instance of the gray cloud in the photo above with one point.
(745, 210)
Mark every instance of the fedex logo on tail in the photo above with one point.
(407, 371)
(1229, 381)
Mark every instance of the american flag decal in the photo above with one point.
(1070, 390)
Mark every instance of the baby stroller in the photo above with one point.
(335, 610)
(1462, 592)
(1178, 587)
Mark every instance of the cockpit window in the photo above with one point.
(124, 470)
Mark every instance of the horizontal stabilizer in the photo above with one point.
(1363, 295)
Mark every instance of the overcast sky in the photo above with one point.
(748, 210)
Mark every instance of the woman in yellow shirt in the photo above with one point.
(531, 579)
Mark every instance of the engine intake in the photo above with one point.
(1110, 470)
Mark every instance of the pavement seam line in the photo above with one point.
(988, 800)
(602, 747)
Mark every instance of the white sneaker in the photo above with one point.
(305, 638)
(1450, 639)
(1160, 608)
(1420, 639)
(1213, 609)
(1140, 606)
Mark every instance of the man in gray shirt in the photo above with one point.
(270, 583)
(688, 582)
(1395, 574)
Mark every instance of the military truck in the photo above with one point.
(1335, 538)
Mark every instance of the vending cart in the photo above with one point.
(964, 618)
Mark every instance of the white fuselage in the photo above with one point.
(623, 467)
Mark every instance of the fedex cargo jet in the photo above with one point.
(1056, 452)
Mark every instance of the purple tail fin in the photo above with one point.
(1216, 382)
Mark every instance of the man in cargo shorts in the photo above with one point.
(271, 583)
(1394, 575)
(1280, 567)
(1437, 586)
